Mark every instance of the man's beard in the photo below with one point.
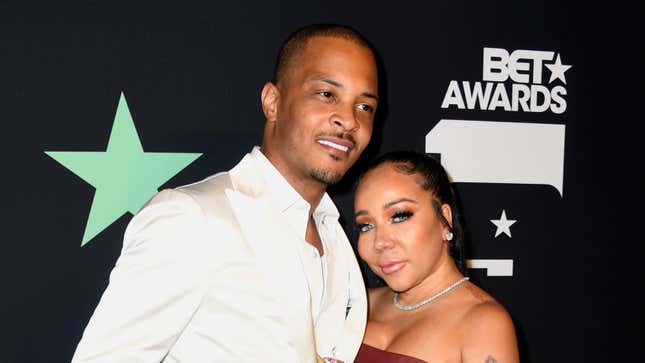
(325, 176)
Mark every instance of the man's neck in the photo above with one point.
(310, 189)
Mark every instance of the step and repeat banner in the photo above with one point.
(531, 108)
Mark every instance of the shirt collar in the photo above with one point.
(285, 196)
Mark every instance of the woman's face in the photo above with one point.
(400, 234)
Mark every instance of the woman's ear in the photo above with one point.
(447, 214)
(270, 98)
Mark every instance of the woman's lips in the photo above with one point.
(392, 267)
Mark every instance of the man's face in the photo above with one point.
(324, 112)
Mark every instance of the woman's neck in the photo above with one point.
(443, 276)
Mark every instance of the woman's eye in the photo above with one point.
(325, 94)
(365, 227)
(400, 217)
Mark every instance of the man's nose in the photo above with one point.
(345, 118)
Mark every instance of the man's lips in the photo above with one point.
(391, 267)
(336, 144)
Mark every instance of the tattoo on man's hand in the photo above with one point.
(490, 359)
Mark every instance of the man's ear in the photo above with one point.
(270, 98)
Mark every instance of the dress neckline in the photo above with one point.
(369, 353)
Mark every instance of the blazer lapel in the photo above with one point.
(356, 319)
(341, 324)
(331, 318)
(273, 247)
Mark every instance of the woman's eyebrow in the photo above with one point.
(387, 205)
(397, 201)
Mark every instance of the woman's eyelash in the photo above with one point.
(395, 218)
(400, 216)
(364, 227)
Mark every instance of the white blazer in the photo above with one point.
(209, 273)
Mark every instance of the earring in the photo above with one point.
(448, 236)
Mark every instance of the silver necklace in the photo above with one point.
(431, 298)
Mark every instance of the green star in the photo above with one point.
(125, 177)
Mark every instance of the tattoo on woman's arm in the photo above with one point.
(490, 359)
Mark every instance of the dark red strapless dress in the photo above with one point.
(369, 354)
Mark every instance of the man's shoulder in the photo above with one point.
(212, 186)
(204, 197)
(190, 210)
(209, 193)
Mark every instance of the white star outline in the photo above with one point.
(503, 224)
(557, 70)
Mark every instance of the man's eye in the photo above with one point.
(365, 107)
(400, 217)
(365, 227)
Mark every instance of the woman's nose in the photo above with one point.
(382, 240)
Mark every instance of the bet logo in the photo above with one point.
(513, 82)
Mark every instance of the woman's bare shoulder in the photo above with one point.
(482, 309)
(487, 314)
(487, 328)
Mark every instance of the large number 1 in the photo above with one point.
(499, 152)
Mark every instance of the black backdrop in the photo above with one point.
(192, 72)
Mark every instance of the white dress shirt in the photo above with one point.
(296, 212)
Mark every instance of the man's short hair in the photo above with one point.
(296, 43)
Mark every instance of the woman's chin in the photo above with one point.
(396, 284)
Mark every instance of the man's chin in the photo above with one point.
(326, 176)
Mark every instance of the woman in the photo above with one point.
(410, 236)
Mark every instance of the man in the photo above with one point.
(252, 264)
